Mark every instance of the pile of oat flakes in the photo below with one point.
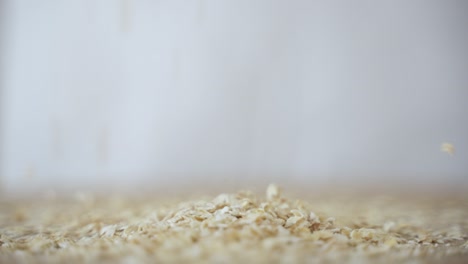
(232, 228)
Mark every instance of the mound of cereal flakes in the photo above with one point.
(232, 228)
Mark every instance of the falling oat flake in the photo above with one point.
(447, 148)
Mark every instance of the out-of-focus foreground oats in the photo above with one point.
(230, 228)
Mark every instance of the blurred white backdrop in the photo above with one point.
(123, 92)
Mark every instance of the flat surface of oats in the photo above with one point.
(231, 228)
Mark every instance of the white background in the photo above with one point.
(124, 92)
